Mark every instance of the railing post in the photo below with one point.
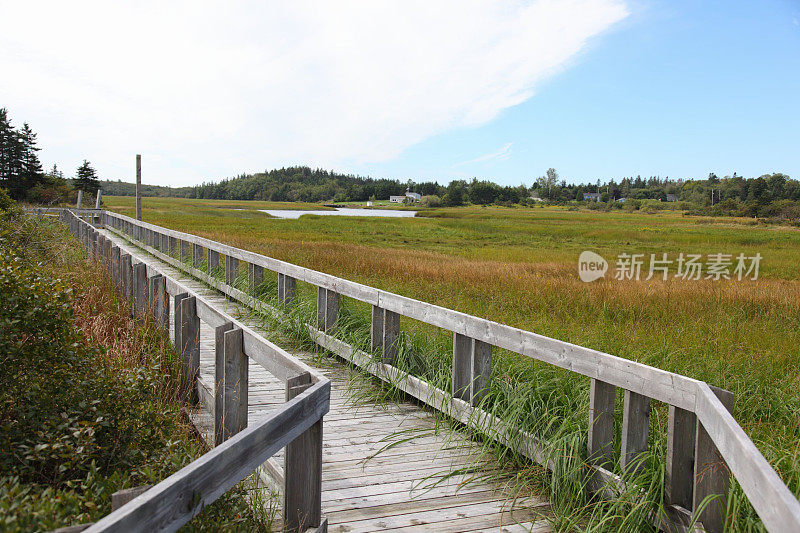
(231, 270)
(127, 273)
(711, 475)
(190, 344)
(176, 318)
(163, 245)
(322, 295)
(140, 290)
(219, 380)
(472, 367)
(115, 266)
(462, 348)
(157, 299)
(481, 370)
(213, 261)
(197, 255)
(635, 430)
(601, 423)
(255, 276)
(289, 290)
(173, 246)
(376, 329)
(391, 334)
(234, 417)
(680, 457)
(331, 309)
(282, 287)
(302, 504)
(186, 251)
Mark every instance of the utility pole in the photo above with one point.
(138, 187)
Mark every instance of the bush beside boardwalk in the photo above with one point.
(90, 402)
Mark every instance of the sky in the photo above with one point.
(596, 89)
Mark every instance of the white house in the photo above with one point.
(411, 196)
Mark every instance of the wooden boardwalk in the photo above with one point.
(368, 485)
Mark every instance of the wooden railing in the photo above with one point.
(705, 443)
(241, 447)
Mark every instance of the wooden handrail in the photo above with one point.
(773, 501)
(241, 448)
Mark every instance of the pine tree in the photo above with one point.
(31, 168)
(86, 179)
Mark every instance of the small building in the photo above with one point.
(621, 200)
(397, 199)
(672, 197)
(591, 196)
(415, 196)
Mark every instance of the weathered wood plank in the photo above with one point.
(302, 504)
(462, 366)
(235, 381)
(601, 423)
(203, 481)
(635, 430)
(680, 457)
(219, 380)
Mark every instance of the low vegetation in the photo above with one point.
(91, 401)
(519, 266)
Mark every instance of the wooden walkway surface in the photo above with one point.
(368, 485)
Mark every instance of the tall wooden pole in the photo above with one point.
(138, 187)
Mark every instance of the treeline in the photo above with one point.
(21, 171)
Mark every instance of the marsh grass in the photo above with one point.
(518, 266)
(132, 354)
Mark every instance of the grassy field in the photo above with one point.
(519, 266)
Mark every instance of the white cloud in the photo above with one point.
(204, 90)
(501, 154)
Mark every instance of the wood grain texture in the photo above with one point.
(235, 384)
(601, 422)
(635, 430)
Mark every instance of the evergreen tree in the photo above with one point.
(86, 179)
(31, 168)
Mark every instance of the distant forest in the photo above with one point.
(774, 196)
(770, 195)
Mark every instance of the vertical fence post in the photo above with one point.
(601, 423)
(680, 457)
(635, 430)
(140, 290)
(322, 294)
(115, 266)
(197, 255)
(173, 246)
(213, 261)
(331, 310)
(302, 503)
(231, 270)
(391, 334)
(176, 318)
(289, 290)
(190, 344)
(186, 251)
(711, 475)
(234, 418)
(156, 298)
(376, 329)
(481, 370)
(281, 287)
(127, 272)
(255, 275)
(462, 346)
(219, 380)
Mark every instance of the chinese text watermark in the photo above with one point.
(636, 267)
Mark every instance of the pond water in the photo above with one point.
(339, 211)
